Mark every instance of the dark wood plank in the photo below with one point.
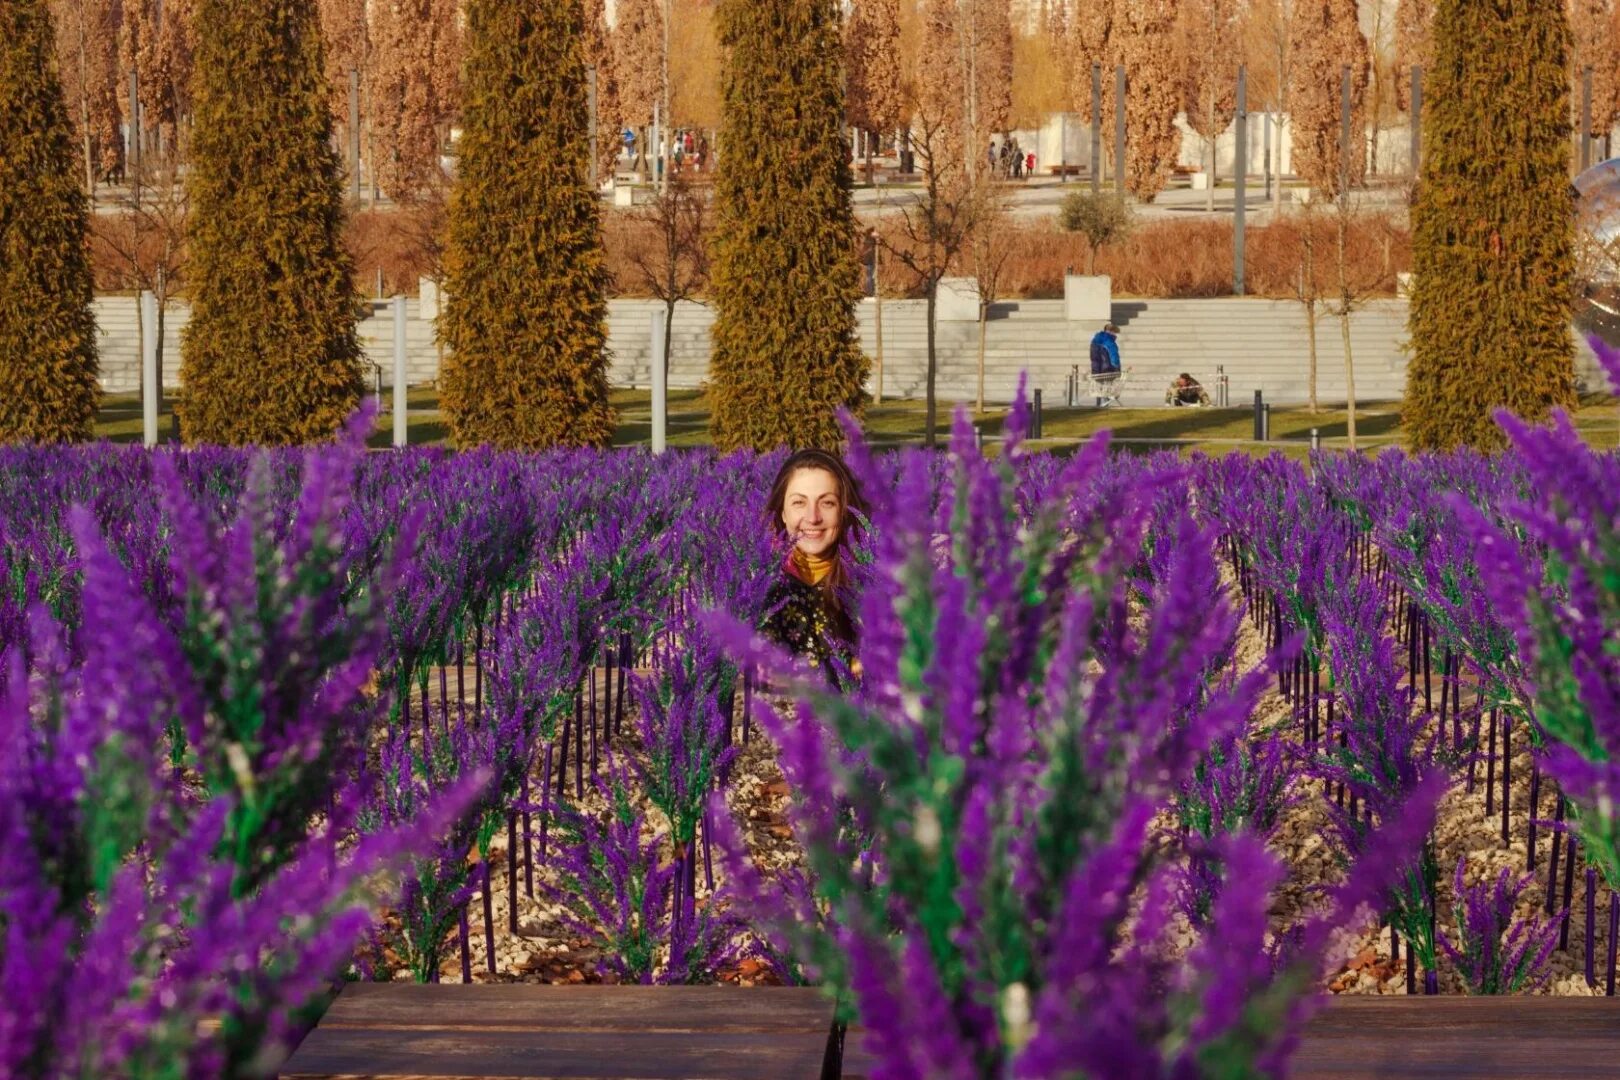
(402, 1054)
(581, 1008)
(1401, 1038)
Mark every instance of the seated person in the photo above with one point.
(1186, 390)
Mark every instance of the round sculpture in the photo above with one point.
(1598, 251)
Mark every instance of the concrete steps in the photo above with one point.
(1261, 344)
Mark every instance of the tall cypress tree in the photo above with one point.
(271, 354)
(785, 277)
(48, 389)
(527, 309)
(1493, 228)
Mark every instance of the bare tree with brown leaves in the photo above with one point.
(638, 59)
(874, 95)
(599, 54)
(87, 58)
(1090, 29)
(671, 256)
(146, 238)
(941, 91)
(936, 229)
(347, 42)
(1208, 42)
(1414, 46)
(412, 102)
(989, 47)
(1144, 32)
(1267, 30)
(1593, 24)
(157, 44)
(1327, 39)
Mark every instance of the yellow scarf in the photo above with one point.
(813, 569)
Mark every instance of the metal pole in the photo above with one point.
(1344, 130)
(1265, 422)
(1316, 439)
(354, 132)
(401, 436)
(660, 385)
(151, 385)
(1035, 424)
(1417, 121)
(1586, 119)
(1119, 130)
(1096, 129)
(132, 153)
(1240, 176)
(1063, 148)
(663, 133)
(590, 96)
(1259, 421)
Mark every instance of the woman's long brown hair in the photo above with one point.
(850, 502)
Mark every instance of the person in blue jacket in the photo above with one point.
(1105, 353)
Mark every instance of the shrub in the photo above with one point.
(47, 332)
(270, 355)
(1101, 219)
(526, 316)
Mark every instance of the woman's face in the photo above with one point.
(812, 512)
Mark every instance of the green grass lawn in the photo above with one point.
(895, 423)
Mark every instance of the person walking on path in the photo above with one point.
(1105, 353)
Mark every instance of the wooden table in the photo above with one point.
(410, 1032)
(1458, 1038)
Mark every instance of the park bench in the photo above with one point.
(527, 1032)
(519, 1032)
(1459, 1038)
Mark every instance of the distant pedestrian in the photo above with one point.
(991, 154)
(1029, 165)
(1105, 354)
(869, 253)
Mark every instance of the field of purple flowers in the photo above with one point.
(1143, 755)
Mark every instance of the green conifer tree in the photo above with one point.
(785, 274)
(527, 309)
(270, 355)
(1494, 225)
(48, 388)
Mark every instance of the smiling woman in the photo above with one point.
(814, 505)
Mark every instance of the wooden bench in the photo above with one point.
(526, 1032)
(1459, 1038)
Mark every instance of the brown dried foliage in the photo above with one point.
(1144, 34)
(1327, 39)
(1160, 260)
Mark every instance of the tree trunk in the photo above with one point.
(877, 304)
(162, 302)
(1345, 303)
(984, 325)
(1310, 330)
(1091, 258)
(1349, 377)
(669, 341)
(928, 412)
